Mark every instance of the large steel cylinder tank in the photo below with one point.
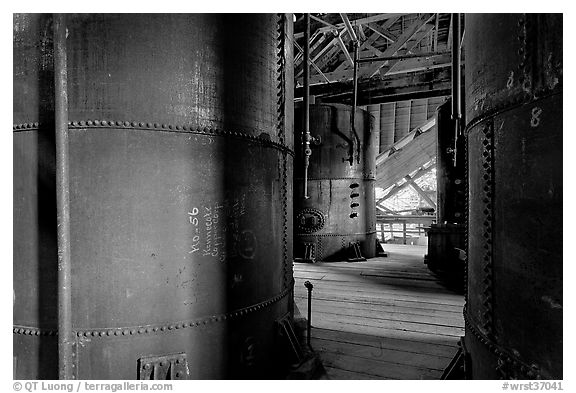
(514, 302)
(340, 209)
(181, 153)
(447, 236)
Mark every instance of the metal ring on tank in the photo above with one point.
(98, 124)
(141, 330)
(531, 371)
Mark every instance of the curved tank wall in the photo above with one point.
(181, 153)
(341, 208)
(514, 108)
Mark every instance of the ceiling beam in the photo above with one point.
(406, 36)
(334, 20)
(404, 65)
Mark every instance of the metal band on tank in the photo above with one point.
(504, 357)
(149, 329)
(164, 127)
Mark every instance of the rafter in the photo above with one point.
(404, 65)
(420, 192)
(406, 36)
(354, 20)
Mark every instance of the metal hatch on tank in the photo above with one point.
(180, 178)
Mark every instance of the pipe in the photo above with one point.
(456, 80)
(309, 286)
(355, 99)
(65, 338)
(306, 97)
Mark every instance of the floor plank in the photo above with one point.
(386, 318)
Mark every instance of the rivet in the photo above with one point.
(178, 127)
(162, 364)
(141, 330)
(125, 332)
(170, 327)
(79, 333)
(149, 125)
(109, 332)
(185, 128)
(133, 331)
(26, 331)
(155, 328)
(69, 123)
(82, 123)
(148, 330)
(163, 328)
(170, 126)
(102, 334)
(117, 332)
(135, 124)
(96, 122)
(156, 125)
(205, 322)
(89, 122)
(118, 123)
(37, 332)
(75, 123)
(146, 366)
(164, 125)
(86, 334)
(94, 334)
(104, 123)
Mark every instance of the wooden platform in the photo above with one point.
(386, 318)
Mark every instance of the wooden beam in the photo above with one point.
(411, 63)
(431, 83)
(344, 49)
(396, 188)
(382, 32)
(417, 188)
(311, 62)
(334, 20)
(406, 35)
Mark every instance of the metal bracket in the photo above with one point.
(174, 366)
(288, 336)
(309, 254)
(357, 254)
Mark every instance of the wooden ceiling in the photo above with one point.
(416, 47)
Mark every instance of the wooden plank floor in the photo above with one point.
(386, 318)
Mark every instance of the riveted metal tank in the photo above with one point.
(447, 236)
(341, 208)
(514, 306)
(181, 153)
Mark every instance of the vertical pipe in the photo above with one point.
(306, 118)
(355, 99)
(65, 339)
(309, 286)
(456, 79)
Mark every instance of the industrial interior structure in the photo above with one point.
(177, 177)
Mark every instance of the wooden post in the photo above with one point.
(404, 231)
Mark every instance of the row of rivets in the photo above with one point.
(154, 329)
(158, 126)
(531, 371)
